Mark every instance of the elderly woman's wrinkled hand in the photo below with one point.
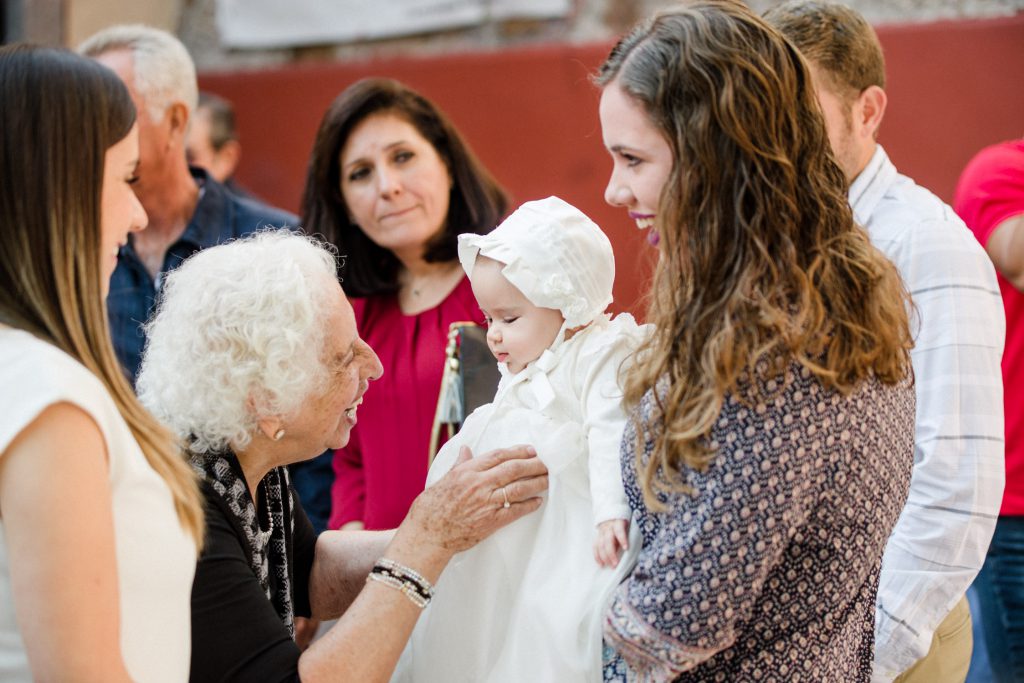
(479, 496)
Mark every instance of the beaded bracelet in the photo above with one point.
(411, 583)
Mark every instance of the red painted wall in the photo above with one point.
(531, 116)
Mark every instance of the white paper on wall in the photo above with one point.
(291, 23)
(529, 9)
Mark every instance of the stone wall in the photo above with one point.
(590, 21)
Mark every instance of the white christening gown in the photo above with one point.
(526, 604)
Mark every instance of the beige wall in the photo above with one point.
(82, 18)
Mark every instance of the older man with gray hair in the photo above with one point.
(188, 210)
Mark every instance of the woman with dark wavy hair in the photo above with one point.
(392, 184)
(771, 441)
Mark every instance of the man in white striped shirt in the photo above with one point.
(922, 624)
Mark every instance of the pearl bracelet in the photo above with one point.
(411, 583)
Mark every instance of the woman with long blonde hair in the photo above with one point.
(771, 443)
(100, 516)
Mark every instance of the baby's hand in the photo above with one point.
(612, 539)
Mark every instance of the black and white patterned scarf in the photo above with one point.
(268, 550)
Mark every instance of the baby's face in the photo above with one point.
(517, 331)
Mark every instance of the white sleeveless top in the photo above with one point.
(156, 559)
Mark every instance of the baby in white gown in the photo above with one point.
(527, 603)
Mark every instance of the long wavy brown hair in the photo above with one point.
(50, 260)
(761, 264)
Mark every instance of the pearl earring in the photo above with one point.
(278, 435)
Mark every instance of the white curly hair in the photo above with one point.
(238, 335)
(164, 70)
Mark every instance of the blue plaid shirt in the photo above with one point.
(219, 216)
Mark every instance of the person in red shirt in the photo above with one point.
(990, 199)
(391, 183)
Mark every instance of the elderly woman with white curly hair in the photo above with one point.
(254, 360)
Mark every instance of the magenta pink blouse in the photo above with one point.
(384, 466)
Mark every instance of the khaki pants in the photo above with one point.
(949, 657)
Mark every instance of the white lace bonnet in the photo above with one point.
(555, 255)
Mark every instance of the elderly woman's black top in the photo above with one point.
(236, 633)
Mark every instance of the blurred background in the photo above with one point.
(514, 77)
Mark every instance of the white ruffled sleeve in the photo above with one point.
(598, 371)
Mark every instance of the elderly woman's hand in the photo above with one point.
(478, 496)
(456, 513)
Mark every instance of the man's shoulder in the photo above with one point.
(910, 211)
(222, 215)
(252, 214)
(905, 197)
(926, 239)
(991, 187)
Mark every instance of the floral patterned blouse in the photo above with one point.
(769, 570)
